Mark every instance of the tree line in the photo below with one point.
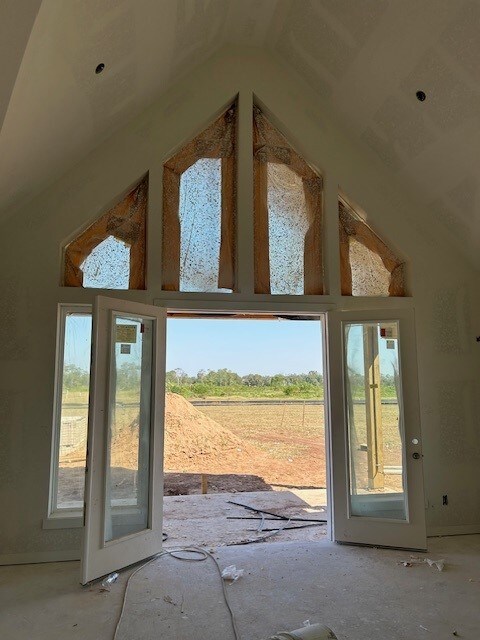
(224, 382)
(225, 378)
(77, 379)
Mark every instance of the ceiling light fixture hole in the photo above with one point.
(99, 68)
(421, 96)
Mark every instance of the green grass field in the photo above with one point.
(302, 391)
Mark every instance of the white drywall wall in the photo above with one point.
(443, 284)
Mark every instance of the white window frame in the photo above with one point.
(73, 518)
(61, 518)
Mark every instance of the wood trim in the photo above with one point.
(226, 269)
(126, 222)
(345, 268)
(171, 230)
(313, 250)
(261, 232)
(351, 225)
(270, 146)
(217, 141)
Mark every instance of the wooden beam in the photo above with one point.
(373, 408)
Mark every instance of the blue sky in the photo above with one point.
(266, 347)
(244, 346)
(78, 339)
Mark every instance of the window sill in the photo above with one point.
(63, 520)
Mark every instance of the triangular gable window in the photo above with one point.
(199, 211)
(288, 213)
(110, 253)
(367, 266)
(108, 266)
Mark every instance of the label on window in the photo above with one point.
(126, 333)
(125, 348)
(388, 331)
(390, 344)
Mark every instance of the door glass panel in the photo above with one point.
(375, 420)
(74, 411)
(129, 434)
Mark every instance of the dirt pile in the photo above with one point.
(193, 442)
(192, 438)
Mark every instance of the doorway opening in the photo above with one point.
(245, 424)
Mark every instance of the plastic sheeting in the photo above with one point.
(369, 276)
(199, 211)
(108, 266)
(288, 225)
(288, 205)
(367, 266)
(125, 223)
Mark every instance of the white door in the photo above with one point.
(376, 449)
(124, 472)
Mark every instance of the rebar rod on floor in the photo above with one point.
(269, 513)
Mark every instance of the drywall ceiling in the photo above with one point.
(365, 58)
(16, 22)
(60, 109)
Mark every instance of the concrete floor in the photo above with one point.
(205, 520)
(361, 593)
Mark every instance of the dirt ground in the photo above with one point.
(294, 436)
(238, 447)
(289, 440)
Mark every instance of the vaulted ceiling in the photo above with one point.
(365, 58)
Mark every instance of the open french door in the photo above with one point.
(376, 450)
(124, 472)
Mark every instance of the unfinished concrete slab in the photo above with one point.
(361, 593)
(210, 520)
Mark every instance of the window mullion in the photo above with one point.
(245, 279)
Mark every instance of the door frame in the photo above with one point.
(408, 534)
(373, 309)
(317, 311)
(99, 557)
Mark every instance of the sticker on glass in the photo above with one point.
(126, 333)
(388, 331)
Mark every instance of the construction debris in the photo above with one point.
(439, 564)
(231, 573)
(261, 539)
(307, 632)
(269, 513)
(109, 580)
(301, 526)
